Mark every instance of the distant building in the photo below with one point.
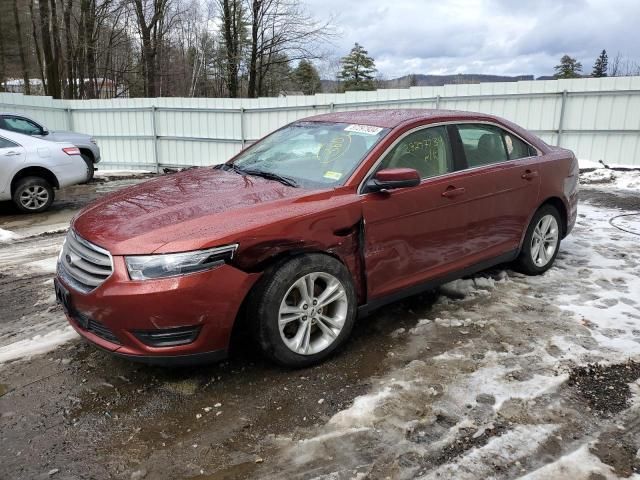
(15, 85)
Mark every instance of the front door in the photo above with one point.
(415, 234)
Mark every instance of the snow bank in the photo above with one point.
(620, 179)
(37, 345)
(7, 236)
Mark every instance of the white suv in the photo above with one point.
(30, 170)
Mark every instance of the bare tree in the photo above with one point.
(150, 15)
(281, 32)
(50, 63)
(23, 61)
(233, 35)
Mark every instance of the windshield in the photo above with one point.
(313, 154)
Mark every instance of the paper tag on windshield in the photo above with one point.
(332, 175)
(368, 129)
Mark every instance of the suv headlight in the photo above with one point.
(144, 267)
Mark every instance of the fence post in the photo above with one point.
(561, 119)
(242, 132)
(69, 119)
(155, 138)
(437, 102)
(332, 107)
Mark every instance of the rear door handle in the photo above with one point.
(452, 192)
(12, 153)
(530, 175)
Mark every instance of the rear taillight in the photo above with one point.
(71, 150)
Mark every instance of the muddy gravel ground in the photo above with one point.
(495, 376)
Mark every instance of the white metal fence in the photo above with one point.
(598, 118)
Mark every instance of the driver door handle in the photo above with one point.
(452, 192)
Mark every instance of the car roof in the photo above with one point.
(391, 118)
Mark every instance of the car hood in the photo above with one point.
(196, 208)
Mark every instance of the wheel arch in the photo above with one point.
(562, 210)
(88, 153)
(34, 171)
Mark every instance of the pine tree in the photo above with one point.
(568, 68)
(600, 67)
(358, 70)
(307, 78)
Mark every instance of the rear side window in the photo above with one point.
(428, 151)
(516, 148)
(4, 143)
(482, 144)
(487, 144)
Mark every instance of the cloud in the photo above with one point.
(483, 36)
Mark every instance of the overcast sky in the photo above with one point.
(509, 37)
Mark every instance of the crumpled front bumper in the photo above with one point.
(110, 315)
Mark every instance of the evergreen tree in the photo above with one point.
(568, 68)
(307, 78)
(600, 67)
(358, 70)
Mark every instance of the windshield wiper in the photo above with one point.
(270, 176)
(290, 182)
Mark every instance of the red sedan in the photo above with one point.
(326, 218)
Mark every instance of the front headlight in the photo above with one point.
(144, 267)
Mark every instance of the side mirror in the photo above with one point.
(44, 131)
(392, 178)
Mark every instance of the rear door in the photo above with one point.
(415, 234)
(502, 188)
(12, 156)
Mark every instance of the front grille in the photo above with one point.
(82, 264)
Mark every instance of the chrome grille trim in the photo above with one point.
(83, 265)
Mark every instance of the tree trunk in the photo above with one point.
(36, 47)
(23, 60)
(230, 37)
(57, 47)
(71, 82)
(256, 24)
(51, 66)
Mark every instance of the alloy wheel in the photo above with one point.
(312, 313)
(544, 240)
(34, 197)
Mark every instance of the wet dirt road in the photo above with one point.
(76, 412)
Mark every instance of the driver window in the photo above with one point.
(22, 125)
(428, 151)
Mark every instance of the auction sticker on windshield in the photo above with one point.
(368, 129)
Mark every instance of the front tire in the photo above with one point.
(33, 195)
(541, 242)
(303, 310)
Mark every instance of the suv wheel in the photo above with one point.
(90, 167)
(303, 310)
(541, 242)
(33, 194)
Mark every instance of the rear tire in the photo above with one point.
(33, 195)
(90, 167)
(541, 242)
(303, 310)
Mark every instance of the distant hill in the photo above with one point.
(419, 80)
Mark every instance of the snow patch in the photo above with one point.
(7, 236)
(619, 179)
(37, 345)
(577, 465)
